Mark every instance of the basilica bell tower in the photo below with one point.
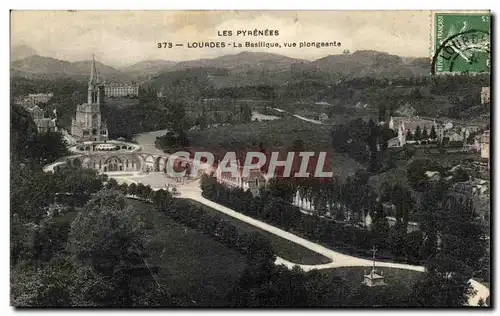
(96, 88)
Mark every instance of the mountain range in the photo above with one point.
(40, 67)
(18, 52)
(238, 69)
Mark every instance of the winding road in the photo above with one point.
(300, 117)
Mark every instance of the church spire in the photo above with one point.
(94, 76)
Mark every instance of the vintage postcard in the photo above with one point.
(250, 159)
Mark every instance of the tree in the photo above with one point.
(132, 189)
(31, 191)
(403, 200)
(141, 190)
(23, 134)
(283, 190)
(81, 183)
(161, 199)
(246, 113)
(177, 119)
(409, 135)
(298, 145)
(112, 184)
(433, 134)
(418, 133)
(109, 236)
(382, 113)
(425, 134)
(50, 146)
(445, 283)
(48, 285)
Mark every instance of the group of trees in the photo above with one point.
(96, 259)
(28, 145)
(420, 134)
(364, 142)
(456, 245)
(416, 173)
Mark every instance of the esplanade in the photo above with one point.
(119, 156)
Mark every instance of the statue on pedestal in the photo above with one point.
(373, 279)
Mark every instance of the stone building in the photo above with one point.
(43, 124)
(121, 90)
(87, 124)
(39, 98)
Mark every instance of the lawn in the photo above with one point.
(189, 261)
(282, 247)
(399, 284)
(393, 276)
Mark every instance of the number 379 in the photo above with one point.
(164, 45)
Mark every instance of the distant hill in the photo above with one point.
(148, 68)
(18, 52)
(367, 63)
(41, 67)
(246, 68)
(242, 62)
(192, 82)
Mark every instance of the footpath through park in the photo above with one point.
(192, 191)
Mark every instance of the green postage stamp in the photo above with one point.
(461, 42)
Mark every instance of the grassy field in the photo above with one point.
(272, 134)
(282, 247)
(189, 261)
(393, 276)
(399, 284)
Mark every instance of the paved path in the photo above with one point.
(192, 191)
(301, 117)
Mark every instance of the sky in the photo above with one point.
(121, 38)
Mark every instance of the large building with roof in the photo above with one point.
(115, 89)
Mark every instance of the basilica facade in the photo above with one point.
(87, 124)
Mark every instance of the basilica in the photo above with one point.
(87, 124)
